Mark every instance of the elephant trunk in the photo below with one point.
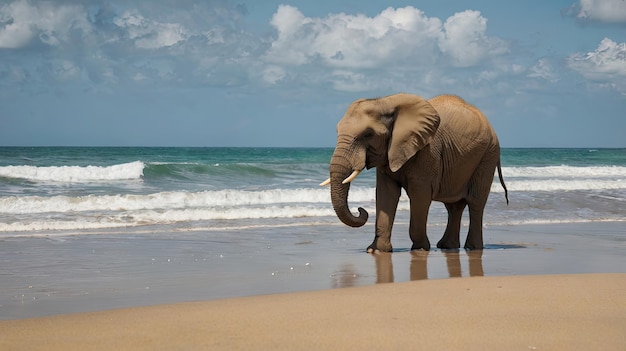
(339, 194)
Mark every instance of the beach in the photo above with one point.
(560, 312)
(558, 286)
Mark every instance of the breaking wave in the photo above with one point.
(75, 174)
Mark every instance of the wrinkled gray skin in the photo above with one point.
(443, 149)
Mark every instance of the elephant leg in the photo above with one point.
(417, 226)
(450, 239)
(479, 187)
(387, 197)
(474, 239)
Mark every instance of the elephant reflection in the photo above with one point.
(418, 268)
(453, 261)
(347, 276)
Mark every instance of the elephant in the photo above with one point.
(443, 149)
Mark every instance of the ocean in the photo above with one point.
(63, 191)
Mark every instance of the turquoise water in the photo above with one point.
(78, 190)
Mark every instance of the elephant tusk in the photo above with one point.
(345, 181)
(351, 177)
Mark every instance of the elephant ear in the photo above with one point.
(416, 122)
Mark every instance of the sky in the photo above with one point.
(282, 73)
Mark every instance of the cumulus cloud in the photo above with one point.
(396, 49)
(403, 36)
(609, 11)
(605, 65)
(353, 41)
(21, 22)
(463, 38)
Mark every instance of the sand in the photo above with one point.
(538, 312)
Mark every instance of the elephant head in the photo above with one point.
(383, 132)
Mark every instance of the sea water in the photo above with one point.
(47, 191)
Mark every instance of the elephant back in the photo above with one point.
(461, 120)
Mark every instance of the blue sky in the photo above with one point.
(282, 73)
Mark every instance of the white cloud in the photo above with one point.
(611, 11)
(404, 35)
(21, 22)
(16, 20)
(365, 52)
(288, 21)
(605, 65)
(273, 74)
(150, 34)
(543, 70)
(465, 41)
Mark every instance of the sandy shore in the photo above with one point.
(48, 276)
(540, 312)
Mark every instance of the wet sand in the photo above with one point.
(533, 287)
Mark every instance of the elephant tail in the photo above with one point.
(506, 192)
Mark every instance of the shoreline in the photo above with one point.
(537, 312)
(61, 275)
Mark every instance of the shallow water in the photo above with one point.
(66, 274)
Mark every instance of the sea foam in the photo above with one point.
(171, 200)
(565, 172)
(75, 174)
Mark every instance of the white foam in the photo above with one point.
(173, 200)
(559, 185)
(199, 218)
(565, 172)
(37, 213)
(153, 217)
(75, 174)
